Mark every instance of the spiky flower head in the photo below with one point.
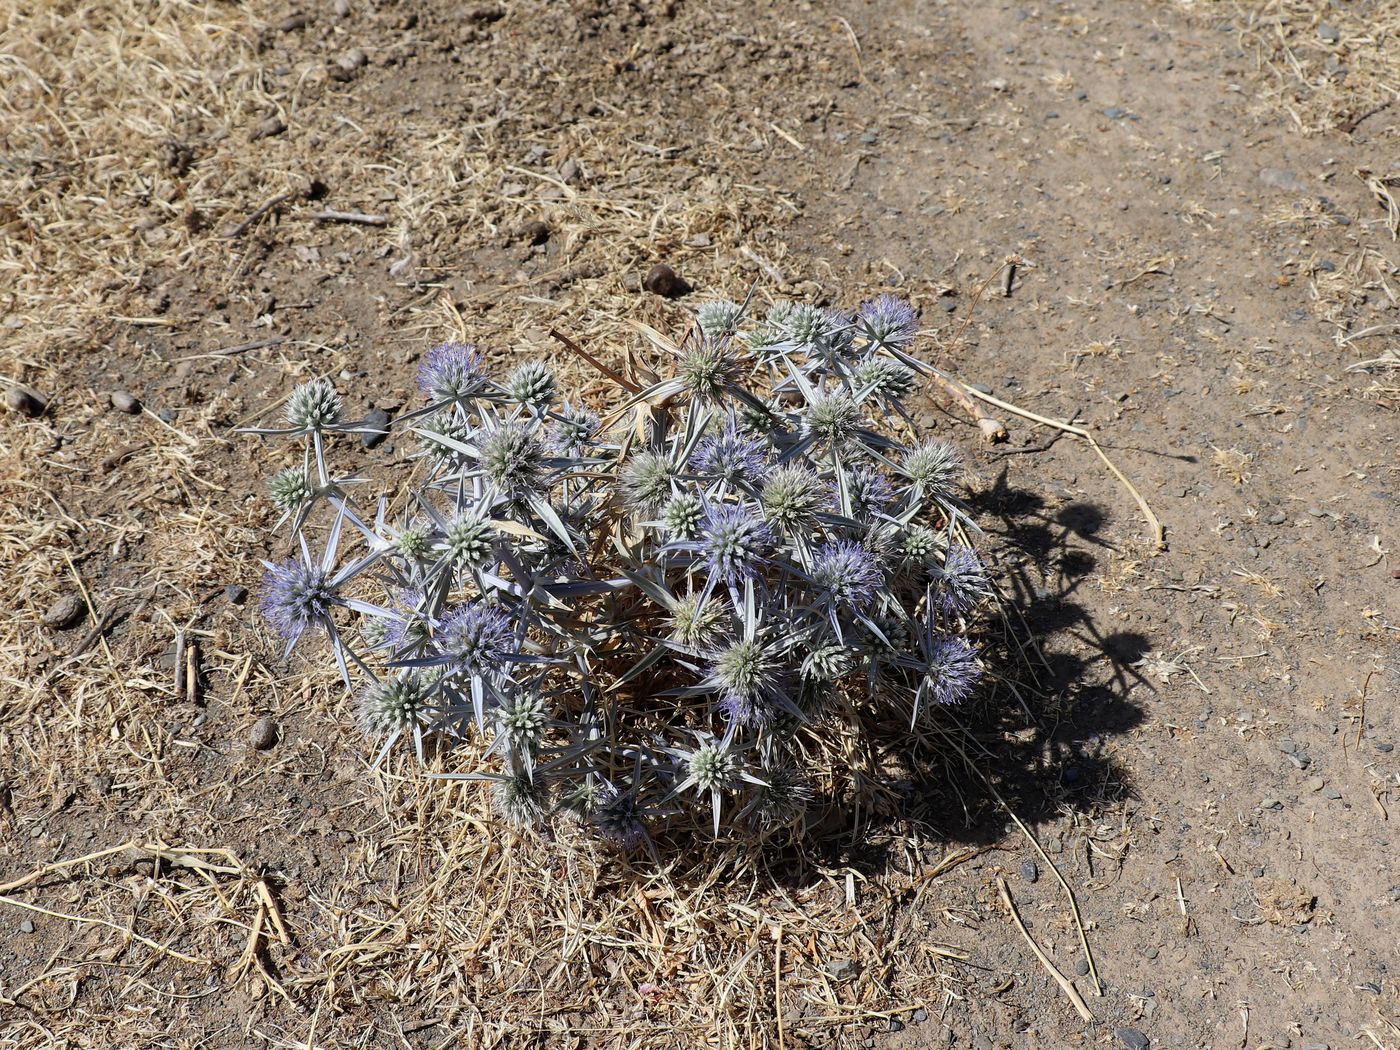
(847, 573)
(951, 671)
(828, 663)
(392, 705)
(731, 457)
(735, 541)
(452, 371)
(918, 544)
(617, 816)
(887, 322)
(648, 480)
(833, 419)
(750, 678)
(476, 638)
(374, 630)
(962, 581)
(574, 431)
(718, 318)
(512, 456)
(792, 496)
(894, 637)
(469, 540)
(935, 466)
(521, 719)
(712, 766)
(412, 542)
(822, 333)
(532, 384)
(297, 595)
(314, 406)
(885, 378)
(520, 798)
(694, 624)
(289, 488)
(868, 492)
(707, 368)
(782, 797)
(408, 630)
(682, 516)
(448, 426)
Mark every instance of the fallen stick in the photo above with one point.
(1064, 982)
(358, 217)
(258, 212)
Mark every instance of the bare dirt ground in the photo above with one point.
(1197, 197)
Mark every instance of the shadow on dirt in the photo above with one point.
(1039, 734)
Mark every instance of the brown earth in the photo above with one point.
(1208, 755)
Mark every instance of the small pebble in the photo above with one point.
(1115, 113)
(663, 281)
(896, 1025)
(24, 401)
(26, 926)
(1082, 967)
(124, 402)
(1132, 1039)
(1331, 793)
(1278, 517)
(842, 969)
(1287, 746)
(375, 417)
(1257, 872)
(1271, 803)
(1302, 761)
(1384, 748)
(341, 8)
(1029, 871)
(1328, 35)
(65, 612)
(264, 734)
(167, 415)
(1151, 952)
(920, 1015)
(236, 593)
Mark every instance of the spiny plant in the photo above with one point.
(642, 616)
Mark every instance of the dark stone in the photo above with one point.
(65, 612)
(378, 418)
(663, 281)
(263, 735)
(236, 593)
(25, 401)
(535, 232)
(1132, 1039)
(1029, 871)
(1115, 113)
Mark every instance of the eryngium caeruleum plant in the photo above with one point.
(641, 615)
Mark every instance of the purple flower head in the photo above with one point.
(962, 581)
(476, 638)
(848, 573)
(617, 816)
(951, 671)
(574, 430)
(452, 372)
(408, 629)
(735, 541)
(869, 492)
(296, 596)
(731, 457)
(887, 322)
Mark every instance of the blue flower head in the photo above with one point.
(951, 671)
(452, 372)
(848, 573)
(887, 322)
(962, 581)
(476, 639)
(731, 457)
(297, 595)
(735, 541)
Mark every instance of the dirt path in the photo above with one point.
(1213, 763)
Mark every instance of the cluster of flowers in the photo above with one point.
(640, 614)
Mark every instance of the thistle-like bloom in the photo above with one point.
(962, 581)
(574, 431)
(693, 624)
(477, 639)
(289, 489)
(408, 630)
(617, 816)
(707, 368)
(885, 378)
(735, 541)
(918, 545)
(833, 420)
(521, 720)
(868, 493)
(731, 457)
(750, 675)
(513, 458)
(393, 705)
(314, 406)
(792, 496)
(712, 766)
(951, 671)
(412, 542)
(682, 516)
(887, 322)
(821, 333)
(718, 319)
(297, 595)
(452, 372)
(847, 573)
(894, 637)
(648, 480)
(468, 541)
(449, 427)
(935, 466)
(532, 384)
(520, 798)
(782, 797)
(828, 663)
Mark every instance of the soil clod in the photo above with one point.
(263, 736)
(663, 281)
(25, 401)
(125, 402)
(65, 612)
